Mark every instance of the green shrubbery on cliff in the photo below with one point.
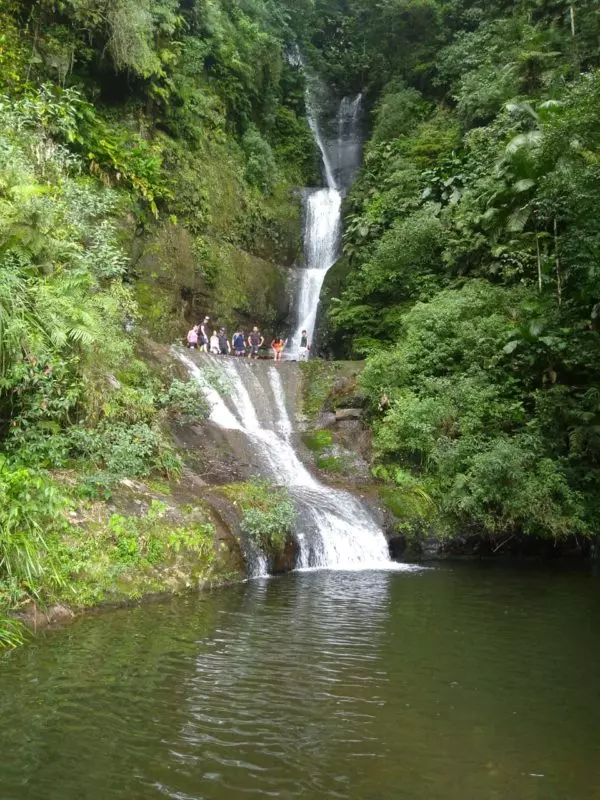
(471, 251)
(148, 158)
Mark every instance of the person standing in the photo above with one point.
(239, 343)
(278, 346)
(224, 346)
(304, 349)
(192, 338)
(256, 341)
(205, 334)
(214, 344)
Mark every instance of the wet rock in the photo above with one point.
(280, 563)
(348, 413)
(36, 618)
(325, 420)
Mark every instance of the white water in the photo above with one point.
(323, 210)
(333, 529)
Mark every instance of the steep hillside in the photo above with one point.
(150, 155)
(471, 252)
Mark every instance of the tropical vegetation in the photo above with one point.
(470, 273)
(150, 154)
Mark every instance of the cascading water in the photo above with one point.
(323, 208)
(333, 529)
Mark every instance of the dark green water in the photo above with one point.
(459, 683)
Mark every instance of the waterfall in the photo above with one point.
(333, 528)
(340, 157)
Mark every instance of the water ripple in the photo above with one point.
(443, 684)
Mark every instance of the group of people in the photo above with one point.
(218, 342)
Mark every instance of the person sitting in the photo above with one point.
(192, 338)
(304, 347)
(278, 346)
(256, 341)
(214, 344)
(224, 346)
(239, 343)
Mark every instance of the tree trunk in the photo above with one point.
(539, 261)
(557, 257)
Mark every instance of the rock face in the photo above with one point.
(348, 413)
(280, 563)
(36, 618)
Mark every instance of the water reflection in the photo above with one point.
(446, 684)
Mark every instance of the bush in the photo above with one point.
(185, 402)
(31, 513)
(447, 414)
(124, 450)
(268, 513)
(261, 167)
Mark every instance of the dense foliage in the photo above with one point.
(148, 154)
(471, 254)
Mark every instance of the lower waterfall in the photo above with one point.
(333, 529)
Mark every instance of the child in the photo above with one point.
(214, 344)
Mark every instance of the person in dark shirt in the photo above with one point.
(256, 341)
(304, 349)
(205, 334)
(239, 343)
(224, 345)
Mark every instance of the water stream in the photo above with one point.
(334, 530)
(340, 155)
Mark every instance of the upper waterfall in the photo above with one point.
(339, 143)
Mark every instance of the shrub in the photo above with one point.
(268, 513)
(261, 167)
(185, 402)
(31, 513)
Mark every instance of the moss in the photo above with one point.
(327, 385)
(316, 441)
(182, 278)
(334, 464)
(111, 558)
(318, 378)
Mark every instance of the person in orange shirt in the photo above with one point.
(278, 346)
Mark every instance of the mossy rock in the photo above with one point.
(181, 278)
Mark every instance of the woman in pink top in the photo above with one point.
(192, 338)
